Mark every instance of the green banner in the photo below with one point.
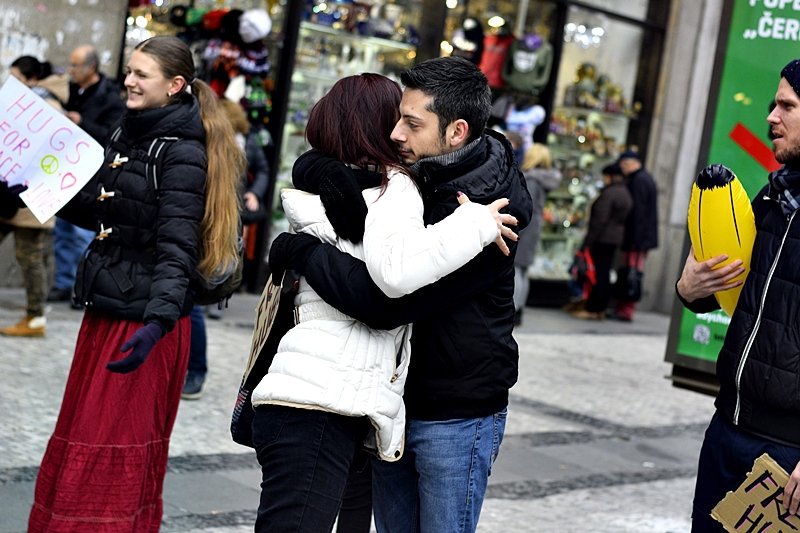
(763, 38)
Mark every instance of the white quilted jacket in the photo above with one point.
(332, 362)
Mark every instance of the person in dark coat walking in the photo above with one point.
(159, 233)
(641, 228)
(541, 178)
(603, 237)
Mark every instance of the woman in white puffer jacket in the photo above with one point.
(335, 383)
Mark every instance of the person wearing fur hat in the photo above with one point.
(757, 408)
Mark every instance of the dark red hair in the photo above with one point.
(353, 121)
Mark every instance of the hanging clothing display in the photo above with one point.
(528, 64)
(495, 51)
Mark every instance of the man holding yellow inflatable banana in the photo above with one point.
(758, 404)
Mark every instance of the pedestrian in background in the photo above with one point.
(30, 236)
(252, 188)
(604, 235)
(641, 228)
(105, 463)
(758, 368)
(465, 357)
(95, 105)
(541, 178)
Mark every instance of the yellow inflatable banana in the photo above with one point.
(721, 221)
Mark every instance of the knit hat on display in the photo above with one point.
(254, 25)
(212, 20)
(792, 74)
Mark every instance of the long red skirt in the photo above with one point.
(104, 467)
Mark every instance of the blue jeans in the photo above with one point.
(439, 484)
(305, 457)
(726, 457)
(198, 347)
(69, 243)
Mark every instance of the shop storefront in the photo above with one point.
(580, 77)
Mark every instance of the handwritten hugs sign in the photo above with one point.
(43, 149)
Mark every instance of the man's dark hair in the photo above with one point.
(459, 90)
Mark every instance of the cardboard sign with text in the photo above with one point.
(43, 149)
(757, 504)
(266, 311)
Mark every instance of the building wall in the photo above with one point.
(50, 29)
(675, 137)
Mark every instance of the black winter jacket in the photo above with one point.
(464, 358)
(142, 268)
(100, 107)
(641, 229)
(759, 364)
(608, 215)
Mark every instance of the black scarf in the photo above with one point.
(786, 183)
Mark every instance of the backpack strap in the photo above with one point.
(155, 154)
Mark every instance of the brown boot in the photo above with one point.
(30, 326)
(587, 315)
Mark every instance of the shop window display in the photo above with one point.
(579, 78)
(589, 126)
(341, 39)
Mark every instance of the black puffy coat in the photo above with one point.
(608, 215)
(758, 366)
(100, 107)
(641, 229)
(142, 268)
(768, 399)
(464, 357)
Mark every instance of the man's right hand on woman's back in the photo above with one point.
(503, 220)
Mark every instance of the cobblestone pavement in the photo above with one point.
(597, 439)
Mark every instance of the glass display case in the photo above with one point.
(589, 127)
(324, 55)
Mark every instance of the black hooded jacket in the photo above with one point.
(100, 107)
(463, 356)
(759, 364)
(141, 269)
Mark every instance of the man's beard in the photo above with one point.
(790, 156)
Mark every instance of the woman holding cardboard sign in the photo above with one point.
(29, 234)
(158, 231)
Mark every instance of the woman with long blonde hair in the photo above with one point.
(166, 223)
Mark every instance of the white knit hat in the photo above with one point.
(254, 24)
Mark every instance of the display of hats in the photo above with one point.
(254, 61)
(177, 16)
(213, 19)
(194, 16)
(229, 26)
(254, 24)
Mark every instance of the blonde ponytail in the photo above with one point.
(226, 166)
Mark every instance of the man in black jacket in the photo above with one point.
(464, 358)
(758, 367)
(641, 227)
(95, 105)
